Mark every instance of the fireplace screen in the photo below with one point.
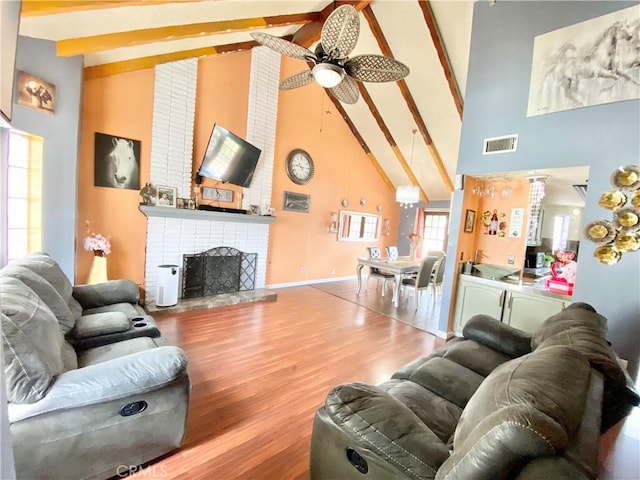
(219, 270)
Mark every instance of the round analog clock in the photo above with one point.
(299, 166)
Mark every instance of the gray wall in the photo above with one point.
(408, 219)
(602, 137)
(61, 134)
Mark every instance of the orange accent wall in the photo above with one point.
(222, 96)
(120, 105)
(123, 105)
(495, 249)
(308, 120)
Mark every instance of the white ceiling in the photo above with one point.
(403, 27)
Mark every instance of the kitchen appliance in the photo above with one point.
(534, 260)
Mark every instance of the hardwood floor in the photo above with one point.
(259, 372)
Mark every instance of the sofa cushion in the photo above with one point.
(476, 356)
(32, 342)
(49, 295)
(448, 379)
(100, 324)
(45, 266)
(129, 310)
(105, 353)
(526, 408)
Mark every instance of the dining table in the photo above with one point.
(399, 267)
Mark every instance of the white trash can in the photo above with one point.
(167, 285)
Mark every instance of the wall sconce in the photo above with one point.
(386, 226)
(333, 225)
(620, 235)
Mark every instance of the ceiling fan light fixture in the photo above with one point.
(327, 75)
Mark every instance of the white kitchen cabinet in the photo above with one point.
(527, 312)
(506, 302)
(474, 298)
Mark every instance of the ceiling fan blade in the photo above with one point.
(298, 80)
(346, 91)
(340, 32)
(376, 68)
(284, 47)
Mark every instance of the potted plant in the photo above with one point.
(548, 260)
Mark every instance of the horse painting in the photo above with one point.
(116, 162)
(572, 69)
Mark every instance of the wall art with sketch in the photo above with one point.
(586, 64)
(116, 162)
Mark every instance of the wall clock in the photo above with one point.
(299, 166)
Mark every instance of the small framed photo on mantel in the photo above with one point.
(167, 197)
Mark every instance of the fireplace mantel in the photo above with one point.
(167, 212)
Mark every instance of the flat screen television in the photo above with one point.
(229, 158)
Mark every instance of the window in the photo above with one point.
(560, 232)
(434, 236)
(24, 195)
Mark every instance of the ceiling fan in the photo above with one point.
(332, 68)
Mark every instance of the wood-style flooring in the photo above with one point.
(259, 372)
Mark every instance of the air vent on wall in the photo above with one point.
(504, 144)
(582, 191)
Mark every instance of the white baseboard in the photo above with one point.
(310, 282)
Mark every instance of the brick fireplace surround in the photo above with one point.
(172, 233)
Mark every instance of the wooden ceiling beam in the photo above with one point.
(108, 69)
(35, 8)
(354, 131)
(392, 143)
(406, 94)
(436, 38)
(98, 43)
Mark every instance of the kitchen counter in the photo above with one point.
(535, 287)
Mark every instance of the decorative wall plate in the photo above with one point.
(612, 200)
(626, 178)
(627, 242)
(607, 254)
(627, 219)
(635, 199)
(600, 231)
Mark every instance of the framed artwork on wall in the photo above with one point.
(36, 93)
(116, 162)
(469, 221)
(296, 202)
(219, 194)
(167, 197)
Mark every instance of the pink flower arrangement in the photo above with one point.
(414, 237)
(96, 242)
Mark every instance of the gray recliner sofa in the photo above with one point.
(89, 315)
(497, 403)
(85, 413)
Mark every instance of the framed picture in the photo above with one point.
(219, 194)
(167, 197)
(296, 202)
(469, 221)
(255, 209)
(116, 162)
(36, 93)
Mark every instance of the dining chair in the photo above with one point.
(437, 275)
(422, 280)
(374, 253)
(392, 252)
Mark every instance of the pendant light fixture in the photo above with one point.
(407, 195)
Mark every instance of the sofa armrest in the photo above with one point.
(376, 421)
(107, 293)
(133, 374)
(497, 335)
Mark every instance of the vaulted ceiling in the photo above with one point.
(410, 129)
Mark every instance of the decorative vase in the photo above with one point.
(412, 250)
(98, 272)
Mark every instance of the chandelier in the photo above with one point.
(407, 195)
(536, 194)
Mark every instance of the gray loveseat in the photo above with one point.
(77, 412)
(497, 403)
